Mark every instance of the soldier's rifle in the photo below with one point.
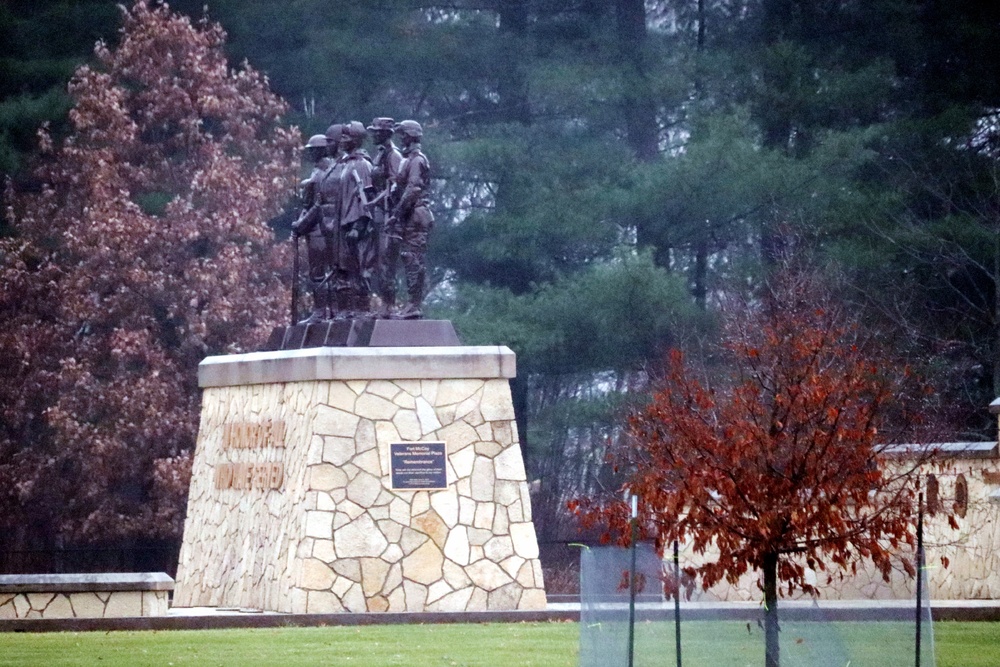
(306, 223)
(295, 279)
(307, 190)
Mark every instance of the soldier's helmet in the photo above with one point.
(385, 124)
(355, 130)
(333, 132)
(410, 128)
(317, 141)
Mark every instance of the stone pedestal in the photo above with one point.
(291, 505)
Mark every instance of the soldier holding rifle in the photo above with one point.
(355, 231)
(409, 223)
(384, 170)
(309, 224)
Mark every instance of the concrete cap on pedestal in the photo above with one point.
(358, 363)
(82, 582)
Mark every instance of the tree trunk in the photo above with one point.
(771, 646)
(996, 312)
(639, 107)
(513, 84)
(701, 251)
(701, 274)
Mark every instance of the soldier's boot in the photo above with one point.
(363, 295)
(386, 295)
(321, 305)
(333, 310)
(388, 299)
(362, 303)
(415, 289)
(411, 312)
(345, 304)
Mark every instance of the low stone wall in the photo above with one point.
(972, 552)
(25, 596)
(292, 506)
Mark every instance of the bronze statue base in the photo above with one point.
(364, 333)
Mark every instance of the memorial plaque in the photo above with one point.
(418, 465)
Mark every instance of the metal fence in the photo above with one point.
(699, 631)
(159, 557)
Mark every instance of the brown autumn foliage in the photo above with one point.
(145, 249)
(780, 467)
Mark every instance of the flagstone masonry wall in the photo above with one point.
(972, 551)
(104, 604)
(84, 595)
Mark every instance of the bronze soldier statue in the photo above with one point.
(309, 224)
(330, 195)
(384, 170)
(409, 223)
(355, 231)
(333, 141)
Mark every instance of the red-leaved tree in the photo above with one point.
(781, 466)
(143, 248)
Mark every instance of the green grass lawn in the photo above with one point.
(542, 644)
(372, 646)
(839, 644)
(967, 644)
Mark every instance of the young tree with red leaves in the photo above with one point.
(144, 248)
(782, 468)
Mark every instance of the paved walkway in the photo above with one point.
(196, 618)
(971, 610)
(802, 604)
(830, 610)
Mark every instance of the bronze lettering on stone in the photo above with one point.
(246, 476)
(418, 465)
(253, 435)
(249, 476)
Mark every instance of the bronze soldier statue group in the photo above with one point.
(362, 218)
